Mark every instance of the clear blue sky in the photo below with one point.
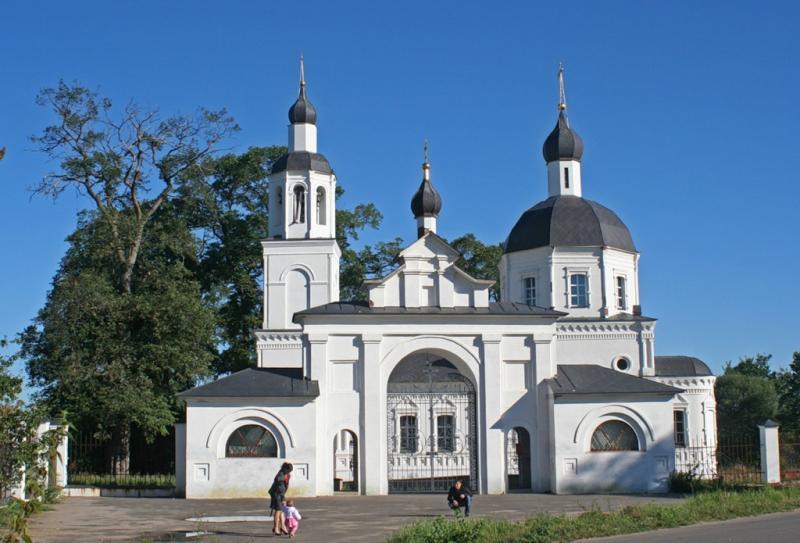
(688, 111)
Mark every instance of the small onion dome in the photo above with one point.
(426, 202)
(302, 111)
(563, 143)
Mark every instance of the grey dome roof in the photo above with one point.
(302, 111)
(563, 143)
(681, 366)
(301, 161)
(569, 221)
(426, 200)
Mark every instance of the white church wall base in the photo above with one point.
(579, 470)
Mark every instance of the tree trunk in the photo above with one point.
(121, 450)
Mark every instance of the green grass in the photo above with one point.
(703, 507)
(158, 480)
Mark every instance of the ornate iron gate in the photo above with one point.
(431, 428)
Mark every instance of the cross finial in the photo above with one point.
(302, 75)
(562, 97)
(426, 167)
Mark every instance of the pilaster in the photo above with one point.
(493, 438)
(543, 368)
(372, 441)
(317, 370)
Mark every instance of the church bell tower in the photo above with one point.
(301, 256)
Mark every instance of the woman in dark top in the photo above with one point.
(277, 494)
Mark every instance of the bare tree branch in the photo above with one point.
(115, 160)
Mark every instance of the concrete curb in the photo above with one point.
(94, 492)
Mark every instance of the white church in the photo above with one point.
(555, 388)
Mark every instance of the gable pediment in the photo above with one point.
(428, 277)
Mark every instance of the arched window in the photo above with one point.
(321, 208)
(614, 435)
(251, 441)
(299, 210)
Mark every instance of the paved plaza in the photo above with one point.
(327, 519)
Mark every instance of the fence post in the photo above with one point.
(770, 451)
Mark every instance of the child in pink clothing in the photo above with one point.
(292, 517)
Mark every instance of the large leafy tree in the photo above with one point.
(124, 326)
(746, 394)
(788, 384)
(111, 358)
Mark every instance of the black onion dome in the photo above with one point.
(563, 143)
(569, 221)
(302, 111)
(426, 200)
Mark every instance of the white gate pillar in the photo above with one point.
(318, 370)
(493, 456)
(770, 452)
(372, 441)
(542, 475)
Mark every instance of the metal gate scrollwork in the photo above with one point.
(431, 427)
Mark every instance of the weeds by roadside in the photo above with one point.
(706, 506)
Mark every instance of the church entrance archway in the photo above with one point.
(345, 461)
(518, 462)
(431, 426)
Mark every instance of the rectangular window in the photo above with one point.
(680, 428)
(408, 434)
(445, 433)
(578, 296)
(530, 290)
(622, 293)
(566, 178)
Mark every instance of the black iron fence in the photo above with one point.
(150, 465)
(790, 458)
(731, 460)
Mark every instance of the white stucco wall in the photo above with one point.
(210, 422)
(577, 470)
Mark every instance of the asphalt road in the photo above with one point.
(774, 528)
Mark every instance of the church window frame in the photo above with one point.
(298, 204)
(680, 427)
(622, 292)
(614, 435)
(408, 429)
(446, 432)
(529, 289)
(579, 289)
(566, 177)
(252, 441)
